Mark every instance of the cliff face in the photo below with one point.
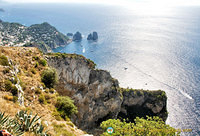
(140, 103)
(94, 91)
(98, 96)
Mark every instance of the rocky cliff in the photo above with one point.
(98, 96)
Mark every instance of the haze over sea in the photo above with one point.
(160, 49)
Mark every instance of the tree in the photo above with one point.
(65, 106)
(152, 126)
(49, 77)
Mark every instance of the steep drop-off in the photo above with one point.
(98, 96)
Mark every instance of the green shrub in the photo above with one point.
(47, 96)
(42, 99)
(49, 77)
(14, 90)
(38, 91)
(35, 58)
(36, 64)
(33, 71)
(46, 90)
(43, 62)
(65, 106)
(6, 70)
(22, 84)
(152, 126)
(4, 61)
(8, 85)
(15, 99)
(51, 90)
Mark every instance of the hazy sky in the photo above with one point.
(119, 2)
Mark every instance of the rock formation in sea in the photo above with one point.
(99, 97)
(77, 36)
(93, 36)
(69, 34)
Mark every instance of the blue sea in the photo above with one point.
(159, 48)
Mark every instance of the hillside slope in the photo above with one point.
(24, 60)
(44, 36)
(96, 94)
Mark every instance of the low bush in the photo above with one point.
(35, 58)
(36, 64)
(65, 106)
(152, 126)
(43, 62)
(15, 99)
(42, 99)
(49, 77)
(4, 61)
(38, 91)
(6, 70)
(33, 71)
(8, 85)
(14, 90)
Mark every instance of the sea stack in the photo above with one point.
(93, 36)
(77, 36)
(69, 34)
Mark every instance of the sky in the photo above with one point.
(113, 2)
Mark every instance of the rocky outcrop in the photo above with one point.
(93, 36)
(69, 34)
(140, 103)
(77, 36)
(98, 96)
(94, 91)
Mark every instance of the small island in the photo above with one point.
(77, 37)
(92, 36)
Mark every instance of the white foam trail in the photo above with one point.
(186, 95)
(83, 50)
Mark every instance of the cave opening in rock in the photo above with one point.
(134, 111)
(100, 120)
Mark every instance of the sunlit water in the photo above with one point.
(161, 50)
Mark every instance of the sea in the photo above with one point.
(144, 48)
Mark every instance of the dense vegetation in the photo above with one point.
(152, 126)
(4, 61)
(49, 77)
(65, 106)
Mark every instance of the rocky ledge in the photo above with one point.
(98, 96)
